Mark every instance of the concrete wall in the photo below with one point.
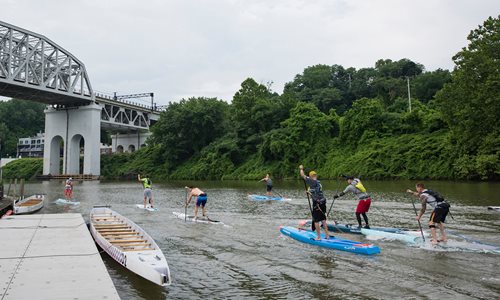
(128, 142)
(69, 126)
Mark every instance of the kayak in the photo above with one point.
(148, 208)
(189, 218)
(267, 198)
(495, 208)
(308, 237)
(65, 201)
(410, 237)
(349, 228)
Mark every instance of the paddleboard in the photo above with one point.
(348, 228)
(200, 219)
(148, 208)
(66, 202)
(495, 208)
(404, 236)
(309, 237)
(267, 198)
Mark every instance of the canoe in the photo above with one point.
(148, 208)
(200, 219)
(267, 198)
(409, 237)
(349, 228)
(28, 205)
(308, 237)
(129, 245)
(495, 208)
(66, 202)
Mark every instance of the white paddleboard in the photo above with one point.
(66, 202)
(200, 219)
(495, 208)
(148, 208)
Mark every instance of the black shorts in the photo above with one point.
(438, 216)
(269, 188)
(319, 211)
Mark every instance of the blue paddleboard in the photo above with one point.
(308, 237)
(267, 198)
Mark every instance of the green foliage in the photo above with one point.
(340, 120)
(19, 118)
(189, 125)
(470, 103)
(27, 168)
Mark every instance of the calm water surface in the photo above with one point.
(249, 259)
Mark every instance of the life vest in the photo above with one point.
(146, 182)
(357, 184)
(435, 199)
(316, 191)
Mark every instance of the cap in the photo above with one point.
(312, 173)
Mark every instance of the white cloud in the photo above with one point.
(207, 48)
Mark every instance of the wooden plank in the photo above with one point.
(111, 227)
(131, 244)
(115, 229)
(134, 250)
(119, 234)
(126, 241)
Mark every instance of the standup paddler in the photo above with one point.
(148, 192)
(318, 201)
(356, 187)
(438, 215)
(269, 185)
(201, 200)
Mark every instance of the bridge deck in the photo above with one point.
(51, 256)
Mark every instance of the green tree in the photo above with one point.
(427, 84)
(21, 118)
(185, 127)
(470, 103)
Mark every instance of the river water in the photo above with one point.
(249, 259)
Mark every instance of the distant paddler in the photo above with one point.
(318, 207)
(68, 189)
(148, 192)
(269, 185)
(356, 187)
(201, 200)
(438, 215)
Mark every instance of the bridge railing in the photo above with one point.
(155, 107)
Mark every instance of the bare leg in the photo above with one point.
(195, 212)
(145, 201)
(434, 236)
(204, 211)
(318, 231)
(443, 235)
(151, 201)
(325, 227)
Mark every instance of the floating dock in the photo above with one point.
(51, 256)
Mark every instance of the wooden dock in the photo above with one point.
(51, 256)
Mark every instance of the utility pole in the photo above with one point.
(409, 96)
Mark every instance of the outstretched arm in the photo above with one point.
(189, 197)
(301, 168)
(423, 199)
(138, 177)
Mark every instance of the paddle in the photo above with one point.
(313, 226)
(185, 205)
(416, 213)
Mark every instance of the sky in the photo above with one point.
(186, 48)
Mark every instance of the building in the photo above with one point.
(31, 146)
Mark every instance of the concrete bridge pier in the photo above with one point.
(66, 130)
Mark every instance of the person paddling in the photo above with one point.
(148, 192)
(356, 187)
(269, 185)
(438, 215)
(68, 188)
(201, 200)
(318, 201)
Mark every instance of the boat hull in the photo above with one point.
(112, 232)
(28, 205)
(308, 237)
